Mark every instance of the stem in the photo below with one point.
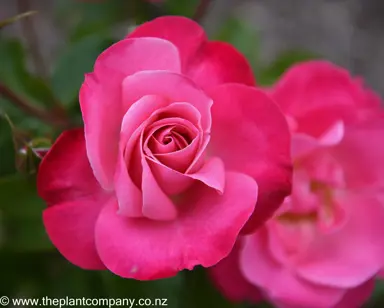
(201, 10)
(37, 112)
(29, 33)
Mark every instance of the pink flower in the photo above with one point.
(177, 148)
(324, 246)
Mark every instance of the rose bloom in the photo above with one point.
(178, 146)
(324, 246)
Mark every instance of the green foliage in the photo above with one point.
(76, 60)
(181, 7)
(7, 149)
(21, 210)
(14, 73)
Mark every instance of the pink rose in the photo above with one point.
(177, 148)
(324, 246)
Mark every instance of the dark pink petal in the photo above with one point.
(66, 182)
(356, 297)
(64, 173)
(318, 94)
(208, 63)
(100, 96)
(279, 281)
(228, 278)
(172, 86)
(259, 146)
(71, 228)
(364, 228)
(204, 232)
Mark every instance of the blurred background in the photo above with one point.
(42, 61)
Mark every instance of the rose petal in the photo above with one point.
(321, 264)
(259, 146)
(330, 94)
(361, 154)
(303, 144)
(174, 87)
(66, 182)
(208, 63)
(130, 56)
(127, 191)
(228, 278)
(171, 181)
(156, 204)
(280, 282)
(356, 297)
(101, 91)
(204, 232)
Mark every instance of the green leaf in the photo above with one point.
(243, 37)
(76, 60)
(270, 74)
(21, 210)
(181, 7)
(7, 148)
(14, 73)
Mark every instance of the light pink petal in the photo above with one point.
(128, 192)
(171, 181)
(100, 102)
(250, 135)
(361, 154)
(279, 282)
(351, 255)
(156, 204)
(129, 195)
(100, 96)
(181, 159)
(130, 56)
(303, 144)
(174, 87)
(66, 182)
(212, 174)
(203, 234)
(356, 297)
(208, 63)
(227, 277)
